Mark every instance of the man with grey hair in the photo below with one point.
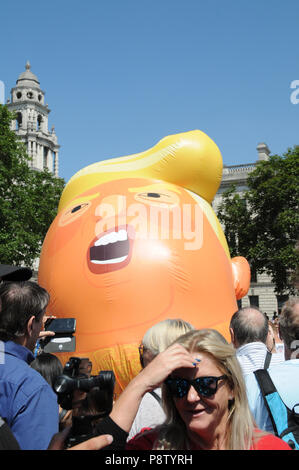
(249, 330)
(285, 376)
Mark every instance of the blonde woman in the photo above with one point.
(156, 340)
(160, 336)
(204, 398)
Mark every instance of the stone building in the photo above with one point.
(31, 124)
(261, 292)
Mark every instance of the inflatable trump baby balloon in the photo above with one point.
(136, 241)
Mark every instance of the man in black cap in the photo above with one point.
(14, 273)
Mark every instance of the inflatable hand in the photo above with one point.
(241, 276)
(136, 241)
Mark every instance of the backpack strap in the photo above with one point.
(156, 396)
(267, 360)
(274, 404)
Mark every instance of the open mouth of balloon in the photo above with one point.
(111, 250)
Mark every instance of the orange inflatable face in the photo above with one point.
(127, 254)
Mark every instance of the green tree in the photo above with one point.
(267, 230)
(28, 199)
(234, 215)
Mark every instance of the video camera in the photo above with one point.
(96, 397)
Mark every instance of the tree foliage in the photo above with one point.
(263, 223)
(28, 199)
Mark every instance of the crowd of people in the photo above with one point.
(195, 391)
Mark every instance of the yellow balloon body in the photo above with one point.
(136, 241)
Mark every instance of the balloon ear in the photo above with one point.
(241, 276)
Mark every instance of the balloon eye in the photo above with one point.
(73, 213)
(153, 195)
(77, 208)
(153, 198)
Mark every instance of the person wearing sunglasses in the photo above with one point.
(204, 399)
(155, 340)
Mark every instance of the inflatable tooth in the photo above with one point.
(136, 241)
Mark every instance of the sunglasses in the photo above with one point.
(205, 386)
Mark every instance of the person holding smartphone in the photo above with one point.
(28, 404)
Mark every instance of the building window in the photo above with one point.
(19, 120)
(254, 300)
(46, 157)
(39, 122)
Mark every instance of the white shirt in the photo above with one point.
(252, 357)
(149, 415)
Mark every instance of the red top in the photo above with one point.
(146, 438)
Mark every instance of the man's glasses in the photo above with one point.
(205, 386)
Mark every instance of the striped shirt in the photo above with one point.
(252, 357)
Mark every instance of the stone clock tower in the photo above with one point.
(31, 124)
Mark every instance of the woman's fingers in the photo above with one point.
(174, 357)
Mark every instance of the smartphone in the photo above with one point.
(57, 345)
(61, 325)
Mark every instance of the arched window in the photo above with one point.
(19, 120)
(39, 122)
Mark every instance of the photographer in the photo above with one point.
(91, 400)
(28, 404)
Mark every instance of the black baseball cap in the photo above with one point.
(14, 273)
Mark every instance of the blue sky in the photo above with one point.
(119, 75)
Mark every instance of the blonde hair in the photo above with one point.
(189, 159)
(161, 335)
(173, 433)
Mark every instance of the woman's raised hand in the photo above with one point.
(174, 357)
